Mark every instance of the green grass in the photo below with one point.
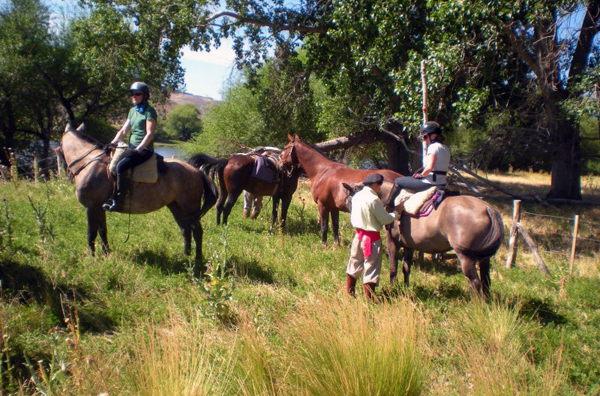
(137, 322)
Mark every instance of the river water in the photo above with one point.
(169, 152)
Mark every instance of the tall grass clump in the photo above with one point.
(178, 358)
(349, 347)
(494, 345)
(255, 367)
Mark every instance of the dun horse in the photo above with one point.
(235, 176)
(181, 188)
(326, 177)
(465, 224)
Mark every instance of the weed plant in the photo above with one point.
(137, 322)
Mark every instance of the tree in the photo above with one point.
(183, 122)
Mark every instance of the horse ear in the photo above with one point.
(296, 137)
(348, 187)
(69, 127)
(81, 127)
(290, 138)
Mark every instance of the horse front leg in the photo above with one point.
(323, 222)
(392, 251)
(96, 220)
(335, 226)
(274, 213)
(285, 205)
(407, 258)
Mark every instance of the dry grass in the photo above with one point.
(349, 347)
(178, 359)
(491, 343)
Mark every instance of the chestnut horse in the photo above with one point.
(181, 188)
(326, 178)
(235, 176)
(465, 224)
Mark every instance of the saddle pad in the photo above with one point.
(263, 169)
(146, 172)
(414, 201)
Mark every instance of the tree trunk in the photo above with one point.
(566, 162)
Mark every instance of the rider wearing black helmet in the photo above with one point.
(435, 164)
(142, 122)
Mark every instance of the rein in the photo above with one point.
(93, 159)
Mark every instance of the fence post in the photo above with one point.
(514, 233)
(35, 169)
(59, 164)
(574, 244)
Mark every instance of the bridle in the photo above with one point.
(289, 166)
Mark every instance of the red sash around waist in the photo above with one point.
(369, 237)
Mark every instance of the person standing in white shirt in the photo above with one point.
(368, 216)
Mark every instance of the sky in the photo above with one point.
(206, 73)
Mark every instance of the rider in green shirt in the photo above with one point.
(142, 122)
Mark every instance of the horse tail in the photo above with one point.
(209, 194)
(207, 164)
(492, 240)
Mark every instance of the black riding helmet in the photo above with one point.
(430, 127)
(141, 86)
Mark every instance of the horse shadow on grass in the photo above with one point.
(538, 310)
(166, 264)
(25, 284)
(253, 270)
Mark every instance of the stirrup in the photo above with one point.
(112, 205)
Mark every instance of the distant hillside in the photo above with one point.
(179, 98)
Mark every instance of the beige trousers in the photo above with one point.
(370, 266)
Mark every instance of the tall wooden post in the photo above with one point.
(425, 117)
(574, 244)
(514, 234)
(35, 169)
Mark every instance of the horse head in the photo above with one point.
(351, 189)
(288, 159)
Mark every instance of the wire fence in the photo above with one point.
(556, 242)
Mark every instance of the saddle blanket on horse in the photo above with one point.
(420, 204)
(265, 169)
(146, 172)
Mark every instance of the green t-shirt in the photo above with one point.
(138, 125)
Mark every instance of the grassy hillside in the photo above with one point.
(271, 317)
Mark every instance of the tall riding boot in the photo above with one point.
(393, 194)
(350, 285)
(116, 203)
(369, 289)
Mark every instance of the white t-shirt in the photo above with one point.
(442, 162)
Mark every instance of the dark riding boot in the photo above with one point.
(393, 194)
(116, 203)
(369, 289)
(350, 285)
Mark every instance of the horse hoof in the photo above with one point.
(245, 214)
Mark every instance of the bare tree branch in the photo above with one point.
(274, 26)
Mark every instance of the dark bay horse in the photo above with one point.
(182, 188)
(326, 178)
(235, 176)
(465, 224)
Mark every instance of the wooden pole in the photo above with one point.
(534, 250)
(424, 86)
(35, 169)
(59, 164)
(574, 244)
(514, 234)
(425, 118)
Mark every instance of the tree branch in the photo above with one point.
(259, 22)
